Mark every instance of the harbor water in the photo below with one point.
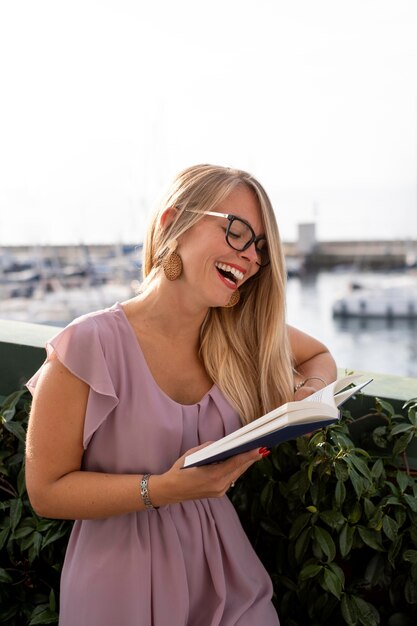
(386, 346)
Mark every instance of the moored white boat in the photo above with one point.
(390, 301)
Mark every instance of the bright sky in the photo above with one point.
(103, 101)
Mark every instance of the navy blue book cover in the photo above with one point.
(269, 440)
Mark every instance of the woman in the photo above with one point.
(125, 393)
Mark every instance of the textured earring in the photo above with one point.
(172, 264)
(233, 300)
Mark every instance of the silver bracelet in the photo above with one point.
(303, 382)
(144, 492)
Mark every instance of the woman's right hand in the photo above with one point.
(195, 483)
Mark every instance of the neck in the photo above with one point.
(165, 309)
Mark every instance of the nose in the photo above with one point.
(250, 253)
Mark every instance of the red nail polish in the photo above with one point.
(266, 453)
(262, 450)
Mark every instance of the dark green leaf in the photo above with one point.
(299, 524)
(337, 571)
(8, 613)
(398, 619)
(5, 576)
(16, 507)
(46, 616)
(401, 428)
(3, 537)
(410, 555)
(310, 571)
(301, 544)
(265, 467)
(349, 610)
(341, 471)
(325, 542)
(332, 518)
(403, 480)
(346, 539)
(35, 547)
(340, 493)
(52, 601)
(21, 485)
(270, 526)
(355, 513)
(411, 501)
(377, 470)
(383, 405)
(368, 507)
(390, 527)
(379, 437)
(413, 534)
(412, 414)
(360, 465)
(357, 483)
(22, 532)
(267, 494)
(8, 409)
(16, 429)
(410, 591)
(394, 549)
(332, 583)
(288, 583)
(402, 443)
(368, 615)
(371, 538)
(310, 471)
(394, 500)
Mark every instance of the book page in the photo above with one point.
(345, 395)
(328, 394)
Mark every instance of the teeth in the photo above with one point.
(227, 268)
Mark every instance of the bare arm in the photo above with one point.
(311, 359)
(57, 486)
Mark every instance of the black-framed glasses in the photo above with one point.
(240, 235)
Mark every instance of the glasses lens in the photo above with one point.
(263, 252)
(238, 234)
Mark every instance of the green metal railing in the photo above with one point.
(22, 352)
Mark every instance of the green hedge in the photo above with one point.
(31, 548)
(333, 518)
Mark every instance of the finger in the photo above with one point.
(244, 458)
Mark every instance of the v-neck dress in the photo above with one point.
(187, 564)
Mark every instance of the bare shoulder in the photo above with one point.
(58, 409)
(57, 383)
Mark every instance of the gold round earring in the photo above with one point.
(172, 263)
(233, 300)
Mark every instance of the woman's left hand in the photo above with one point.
(304, 392)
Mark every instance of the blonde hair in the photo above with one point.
(245, 349)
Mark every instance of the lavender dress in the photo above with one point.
(184, 564)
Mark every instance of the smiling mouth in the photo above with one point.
(230, 273)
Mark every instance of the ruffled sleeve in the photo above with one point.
(80, 347)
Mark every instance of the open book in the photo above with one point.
(288, 421)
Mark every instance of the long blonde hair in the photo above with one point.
(245, 349)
